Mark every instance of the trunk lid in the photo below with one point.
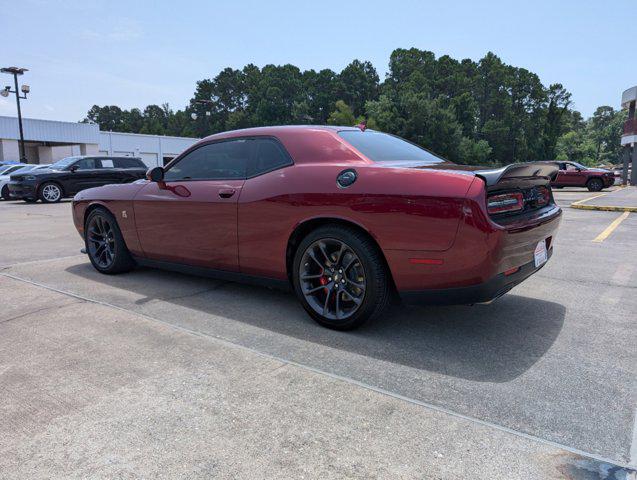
(511, 191)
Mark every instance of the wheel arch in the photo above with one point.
(304, 227)
(57, 182)
(95, 206)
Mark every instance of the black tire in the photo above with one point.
(50, 192)
(364, 261)
(5, 193)
(105, 245)
(595, 185)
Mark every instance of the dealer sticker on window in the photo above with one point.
(540, 253)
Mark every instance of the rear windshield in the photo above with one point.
(381, 147)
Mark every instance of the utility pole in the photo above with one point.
(15, 71)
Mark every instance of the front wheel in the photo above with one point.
(340, 277)
(105, 245)
(50, 192)
(595, 185)
(5, 193)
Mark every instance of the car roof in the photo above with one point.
(80, 157)
(275, 130)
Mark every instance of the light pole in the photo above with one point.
(15, 71)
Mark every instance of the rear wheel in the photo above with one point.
(105, 245)
(50, 192)
(5, 193)
(340, 277)
(595, 185)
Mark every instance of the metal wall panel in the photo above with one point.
(49, 131)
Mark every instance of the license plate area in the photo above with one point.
(540, 255)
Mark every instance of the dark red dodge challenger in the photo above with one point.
(348, 217)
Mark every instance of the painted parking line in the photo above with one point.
(579, 202)
(611, 228)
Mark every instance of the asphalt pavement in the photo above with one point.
(161, 374)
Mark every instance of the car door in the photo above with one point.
(572, 176)
(191, 217)
(83, 174)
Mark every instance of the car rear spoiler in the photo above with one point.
(518, 170)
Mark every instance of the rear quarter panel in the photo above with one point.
(403, 209)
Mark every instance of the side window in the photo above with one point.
(269, 155)
(216, 161)
(107, 163)
(86, 164)
(570, 167)
(128, 163)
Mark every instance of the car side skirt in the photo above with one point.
(215, 274)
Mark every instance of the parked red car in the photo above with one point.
(573, 174)
(346, 217)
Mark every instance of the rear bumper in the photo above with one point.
(480, 293)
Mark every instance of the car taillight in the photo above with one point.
(543, 197)
(505, 202)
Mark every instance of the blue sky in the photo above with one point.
(127, 53)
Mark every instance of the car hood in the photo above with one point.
(43, 171)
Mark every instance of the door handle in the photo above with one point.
(226, 192)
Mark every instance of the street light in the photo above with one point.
(15, 71)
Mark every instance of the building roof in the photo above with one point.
(49, 131)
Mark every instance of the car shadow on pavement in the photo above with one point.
(486, 343)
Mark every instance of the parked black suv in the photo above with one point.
(68, 176)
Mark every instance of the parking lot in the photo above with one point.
(157, 374)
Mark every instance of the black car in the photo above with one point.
(68, 176)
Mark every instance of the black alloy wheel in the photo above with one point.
(105, 245)
(340, 277)
(595, 185)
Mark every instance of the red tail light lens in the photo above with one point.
(505, 202)
(544, 196)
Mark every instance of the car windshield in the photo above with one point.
(62, 164)
(578, 165)
(382, 147)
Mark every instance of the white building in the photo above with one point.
(47, 141)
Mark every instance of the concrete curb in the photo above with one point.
(603, 208)
(609, 208)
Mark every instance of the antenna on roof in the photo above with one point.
(362, 125)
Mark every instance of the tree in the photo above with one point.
(343, 115)
(358, 83)
(469, 111)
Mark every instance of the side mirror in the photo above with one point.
(73, 168)
(155, 174)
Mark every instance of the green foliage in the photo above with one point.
(343, 115)
(484, 112)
